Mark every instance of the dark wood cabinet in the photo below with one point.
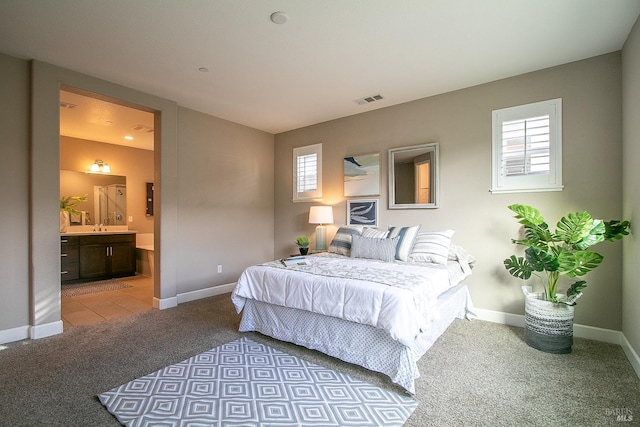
(69, 258)
(102, 256)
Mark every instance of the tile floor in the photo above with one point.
(95, 308)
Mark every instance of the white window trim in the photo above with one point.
(309, 196)
(528, 183)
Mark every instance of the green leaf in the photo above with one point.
(596, 235)
(574, 227)
(585, 261)
(576, 288)
(541, 260)
(528, 215)
(518, 267)
(615, 230)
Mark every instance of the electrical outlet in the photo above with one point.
(130, 219)
(219, 268)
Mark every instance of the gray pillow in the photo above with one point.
(341, 243)
(374, 248)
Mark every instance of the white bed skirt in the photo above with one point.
(356, 343)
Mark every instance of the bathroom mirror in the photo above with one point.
(106, 197)
(413, 177)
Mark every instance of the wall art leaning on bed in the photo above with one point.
(362, 175)
(362, 212)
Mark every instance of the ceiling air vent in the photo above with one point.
(67, 105)
(368, 99)
(142, 128)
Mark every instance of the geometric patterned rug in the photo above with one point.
(75, 289)
(244, 383)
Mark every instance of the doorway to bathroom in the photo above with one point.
(107, 160)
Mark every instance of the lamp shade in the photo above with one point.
(320, 215)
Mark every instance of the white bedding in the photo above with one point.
(398, 297)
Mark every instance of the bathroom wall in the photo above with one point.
(133, 163)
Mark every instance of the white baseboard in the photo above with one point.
(579, 331)
(205, 293)
(164, 303)
(14, 334)
(46, 330)
(633, 357)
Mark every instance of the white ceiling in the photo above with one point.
(94, 119)
(309, 70)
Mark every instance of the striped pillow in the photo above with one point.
(374, 248)
(432, 247)
(341, 243)
(405, 243)
(374, 233)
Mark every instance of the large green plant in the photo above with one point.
(552, 254)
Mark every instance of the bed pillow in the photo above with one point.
(374, 233)
(407, 235)
(432, 247)
(373, 248)
(341, 243)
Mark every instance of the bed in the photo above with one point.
(379, 299)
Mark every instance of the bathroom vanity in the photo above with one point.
(96, 256)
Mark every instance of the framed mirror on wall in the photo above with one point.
(413, 177)
(106, 197)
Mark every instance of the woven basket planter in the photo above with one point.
(548, 326)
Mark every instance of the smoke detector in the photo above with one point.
(368, 99)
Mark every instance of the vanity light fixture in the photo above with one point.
(321, 215)
(100, 167)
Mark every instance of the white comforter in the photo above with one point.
(397, 297)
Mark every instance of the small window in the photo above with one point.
(307, 173)
(527, 148)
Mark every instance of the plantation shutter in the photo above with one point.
(307, 173)
(527, 148)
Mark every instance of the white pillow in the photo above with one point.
(432, 247)
(405, 243)
(373, 248)
(341, 243)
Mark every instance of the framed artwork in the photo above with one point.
(362, 175)
(362, 212)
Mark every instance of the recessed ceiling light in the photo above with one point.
(203, 69)
(279, 17)
(128, 138)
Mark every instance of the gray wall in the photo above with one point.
(461, 122)
(201, 229)
(14, 175)
(631, 200)
(225, 199)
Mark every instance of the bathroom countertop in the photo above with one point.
(97, 233)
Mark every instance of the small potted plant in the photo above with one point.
(549, 255)
(302, 242)
(68, 206)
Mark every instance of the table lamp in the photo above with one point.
(321, 215)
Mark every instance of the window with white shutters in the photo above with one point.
(527, 148)
(307, 173)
